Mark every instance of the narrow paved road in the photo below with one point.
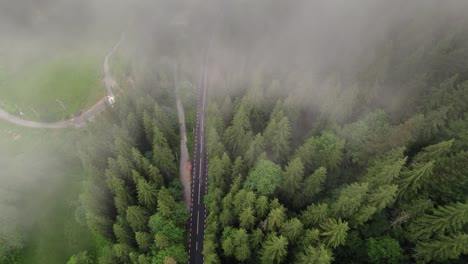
(199, 180)
(78, 121)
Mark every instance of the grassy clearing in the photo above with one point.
(56, 89)
(43, 176)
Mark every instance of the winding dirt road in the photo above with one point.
(78, 121)
(185, 165)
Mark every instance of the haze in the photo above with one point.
(324, 56)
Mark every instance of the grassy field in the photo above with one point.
(47, 78)
(41, 179)
(54, 89)
(40, 173)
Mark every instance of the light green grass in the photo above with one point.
(44, 177)
(54, 89)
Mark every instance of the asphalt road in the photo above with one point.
(199, 181)
(77, 121)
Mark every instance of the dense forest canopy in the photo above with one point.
(337, 131)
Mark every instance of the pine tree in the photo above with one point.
(241, 240)
(238, 168)
(256, 238)
(278, 136)
(147, 194)
(239, 135)
(144, 259)
(123, 196)
(228, 242)
(215, 118)
(384, 196)
(310, 237)
(384, 250)
(292, 229)
(166, 203)
(413, 180)
(165, 122)
(125, 166)
(444, 220)
(247, 218)
(387, 169)
(443, 248)
(315, 214)
(275, 250)
(137, 217)
(334, 232)
(255, 149)
(219, 171)
(262, 206)
(162, 155)
(227, 214)
(264, 178)
(434, 152)
(276, 218)
(324, 151)
(214, 145)
(143, 240)
(292, 179)
(362, 215)
(122, 251)
(254, 99)
(450, 180)
(209, 252)
(236, 243)
(315, 255)
(351, 198)
(122, 231)
(313, 185)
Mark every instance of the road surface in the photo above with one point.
(199, 180)
(78, 121)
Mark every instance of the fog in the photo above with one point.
(309, 40)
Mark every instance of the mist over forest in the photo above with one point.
(335, 131)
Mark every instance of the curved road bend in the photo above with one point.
(78, 121)
(199, 181)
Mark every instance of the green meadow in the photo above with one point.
(49, 84)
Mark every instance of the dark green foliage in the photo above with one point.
(443, 248)
(239, 135)
(292, 229)
(318, 255)
(132, 200)
(236, 243)
(324, 151)
(351, 163)
(137, 217)
(81, 258)
(334, 232)
(444, 220)
(265, 178)
(384, 250)
(274, 249)
(278, 137)
(162, 155)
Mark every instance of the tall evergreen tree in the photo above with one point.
(334, 232)
(275, 250)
